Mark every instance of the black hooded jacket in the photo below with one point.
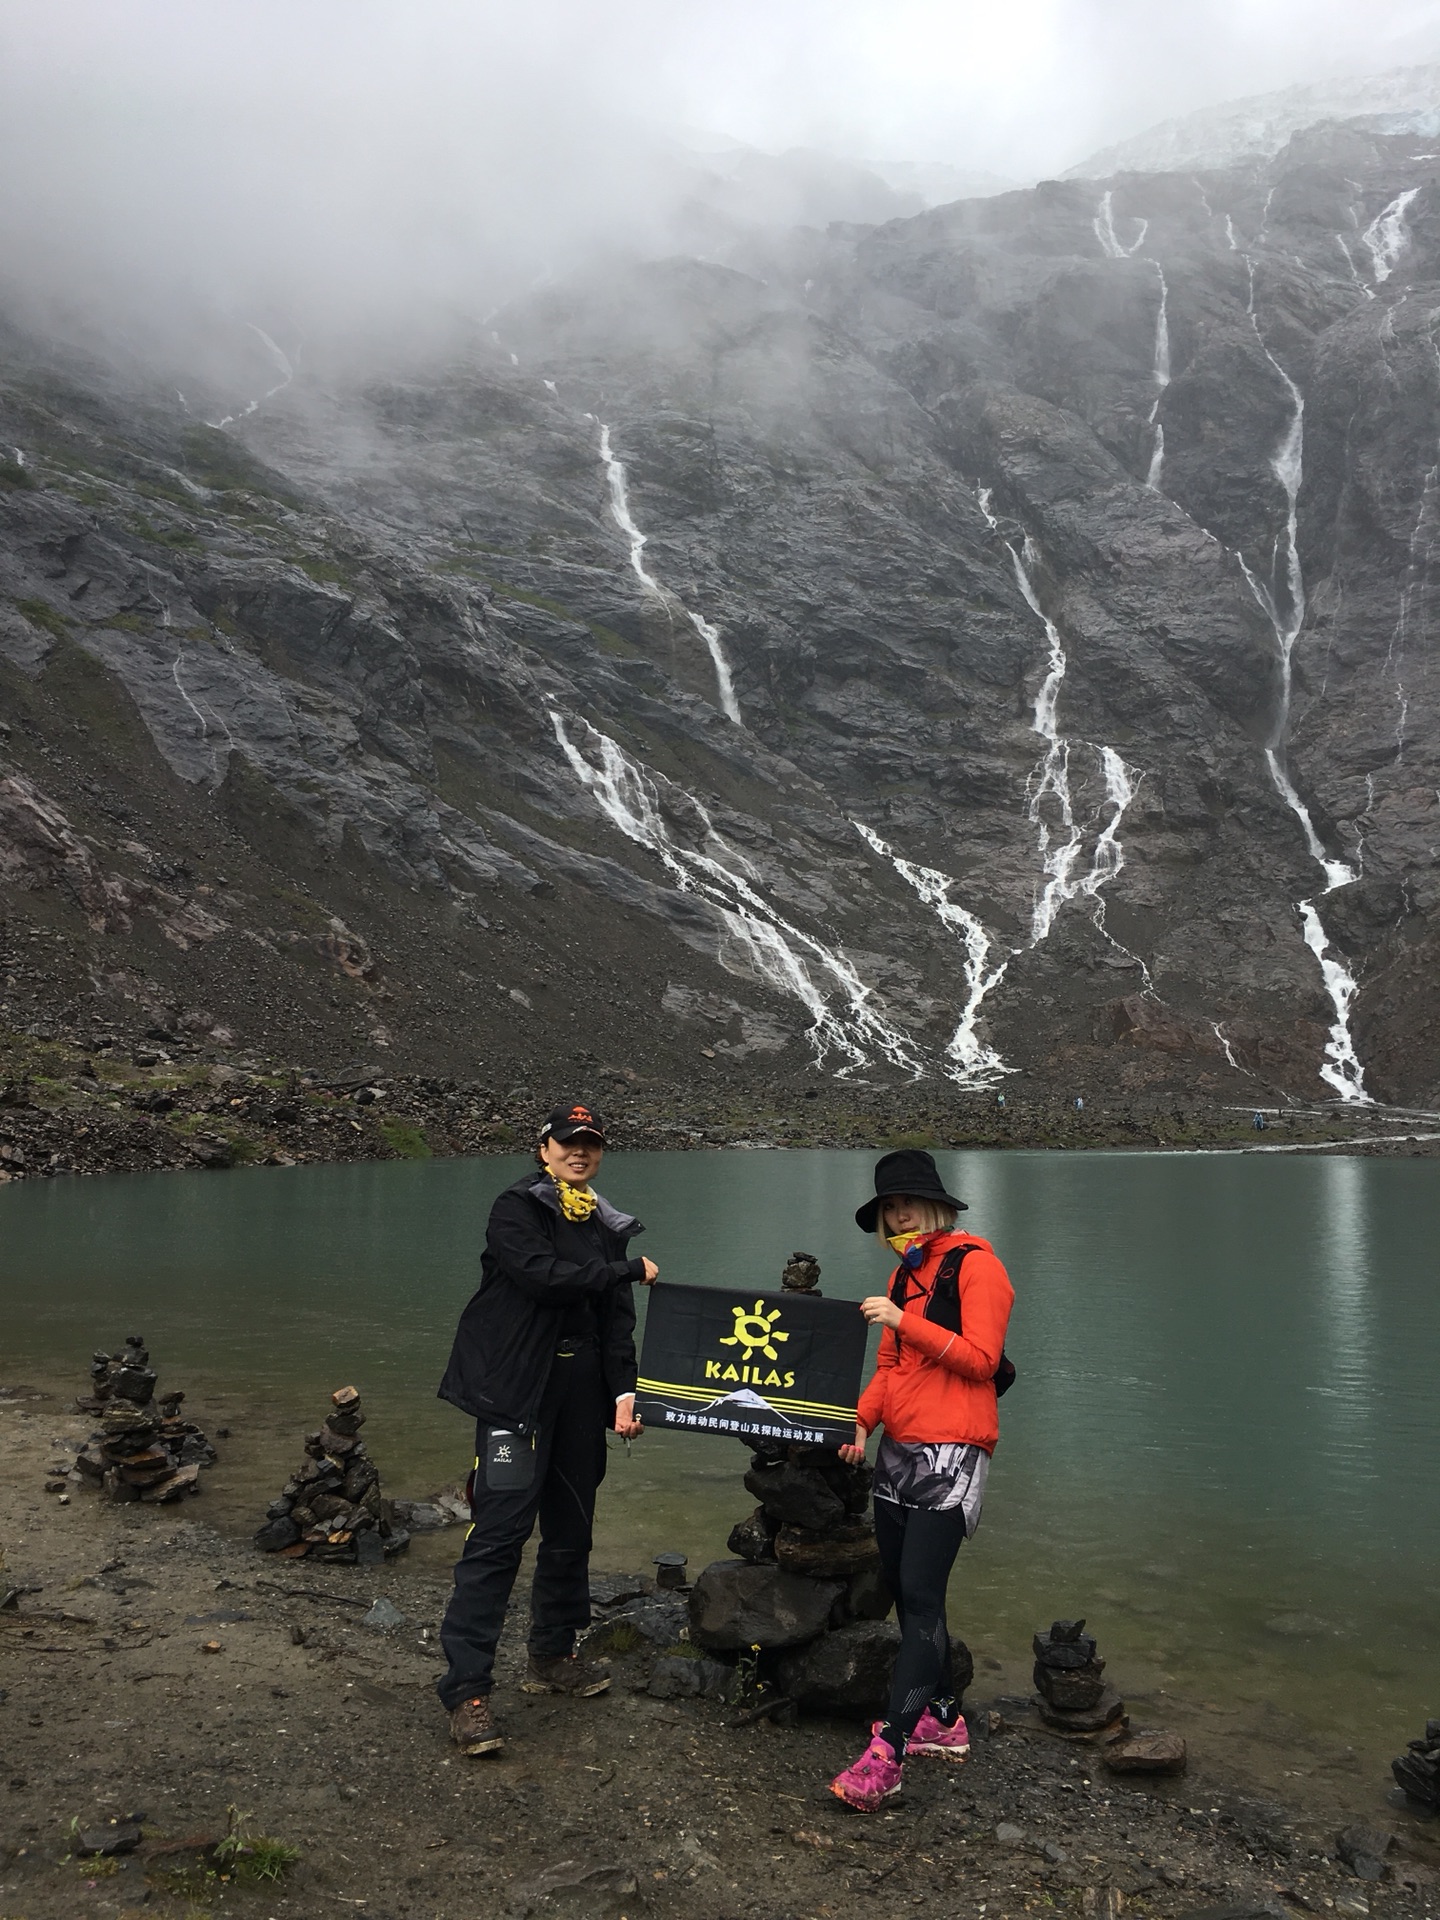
(535, 1268)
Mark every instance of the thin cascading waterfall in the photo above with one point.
(282, 365)
(1162, 381)
(1341, 1067)
(1107, 862)
(973, 1063)
(1387, 236)
(781, 954)
(1051, 779)
(1060, 855)
(620, 508)
(1104, 228)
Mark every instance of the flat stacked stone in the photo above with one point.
(1069, 1677)
(1417, 1771)
(143, 1450)
(332, 1508)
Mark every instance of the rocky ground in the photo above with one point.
(156, 1669)
(91, 1105)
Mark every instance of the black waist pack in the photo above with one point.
(509, 1460)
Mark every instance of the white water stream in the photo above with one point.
(1061, 849)
(973, 1063)
(282, 366)
(620, 508)
(843, 1020)
(1162, 381)
(1285, 610)
(1387, 235)
(1110, 241)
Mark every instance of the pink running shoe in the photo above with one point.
(870, 1780)
(933, 1739)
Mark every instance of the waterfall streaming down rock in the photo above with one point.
(1060, 853)
(972, 1062)
(1110, 241)
(635, 800)
(1386, 235)
(1283, 601)
(1162, 381)
(620, 507)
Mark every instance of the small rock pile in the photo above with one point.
(1417, 1772)
(1072, 1695)
(332, 1508)
(143, 1451)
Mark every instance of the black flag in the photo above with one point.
(768, 1366)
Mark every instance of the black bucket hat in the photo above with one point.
(907, 1171)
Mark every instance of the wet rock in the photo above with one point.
(735, 1605)
(1007, 1834)
(681, 1677)
(801, 1274)
(1106, 1712)
(846, 1670)
(648, 1619)
(277, 1533)
(844, 1550)
(754, 1537)
(120, 1836)
(1146, 1750)
(383, 1616)
(1363, 1849)
(867, 1596)
(796, 1496)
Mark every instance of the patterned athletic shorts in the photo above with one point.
(938, 1476)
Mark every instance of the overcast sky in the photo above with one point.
(360, 142)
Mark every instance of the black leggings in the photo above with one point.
(917, 1550)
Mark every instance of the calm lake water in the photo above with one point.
(1221, 1448)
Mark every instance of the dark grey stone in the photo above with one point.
(734, 1606)
(842, 1671)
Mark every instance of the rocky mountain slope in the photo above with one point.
(995, 640)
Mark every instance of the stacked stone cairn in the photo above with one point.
(1417, 1772)
(144, 1449)
(1072, 1695)
(331, 1508)
(805, 1586)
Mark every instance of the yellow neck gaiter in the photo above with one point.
(901, 1242)
(576, 1203)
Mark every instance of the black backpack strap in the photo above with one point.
(943, 1308)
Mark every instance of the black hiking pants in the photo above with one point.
(569, 1466)
(917, 1550)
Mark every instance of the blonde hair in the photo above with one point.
(933, 1217)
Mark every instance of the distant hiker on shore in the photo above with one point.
(941, 1361)
(544, 1361)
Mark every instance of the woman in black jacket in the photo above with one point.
(544, 1361)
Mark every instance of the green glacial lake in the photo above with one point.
(1221, 1448)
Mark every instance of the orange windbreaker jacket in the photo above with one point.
(932, 1383)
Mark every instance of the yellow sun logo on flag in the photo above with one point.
(755, 1331)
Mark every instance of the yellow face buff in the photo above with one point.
(576, 1203)
(902, 1242)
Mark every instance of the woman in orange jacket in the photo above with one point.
(934, 1393)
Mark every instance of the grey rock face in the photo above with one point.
(846, 1670)
(1075, 545)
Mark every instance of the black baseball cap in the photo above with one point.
(570, 1119)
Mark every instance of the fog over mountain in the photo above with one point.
(486, 566)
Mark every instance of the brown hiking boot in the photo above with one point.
(472, 1729)
(577, 1677)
